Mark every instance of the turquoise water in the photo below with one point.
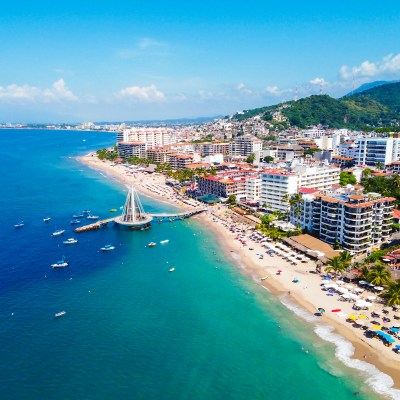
(133, 330)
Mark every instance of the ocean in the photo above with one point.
(132, 329)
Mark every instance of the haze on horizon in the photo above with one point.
(134, 61)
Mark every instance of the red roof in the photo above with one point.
(304, 190)
(396, 214)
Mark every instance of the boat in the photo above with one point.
(78, 216)
(60, 314)
(70, 241)
(107, 247)
(264, 278)
(20, 225)
(113, 210)
(152, 244)
(164, 241)
(172, 270)
(47, 219)
(92, 217)
(86, 212)
(58, 232)
(60, 264)
(75, 221)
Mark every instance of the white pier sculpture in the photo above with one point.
(133, 215)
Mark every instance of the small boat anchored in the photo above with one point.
(152, 244)
(60, 264)
(20, 225)
(92, 217)
(70, 241)
(108, 247)
(172, 270)
(47, 219)
(78, 216)
(60, 314)
(164, 241)
(58, 232)
(75, 222)
(113, 210)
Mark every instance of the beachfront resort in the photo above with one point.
(310, 225)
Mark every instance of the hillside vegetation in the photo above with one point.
(379, 106)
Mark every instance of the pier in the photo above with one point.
(94, 226)
(134, 216)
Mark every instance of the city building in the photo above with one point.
(153, 137)
(245, 146)
(253, 189)
(180, 161)
(132, 149)
(357, 222)
(290, 152)
(373, 150)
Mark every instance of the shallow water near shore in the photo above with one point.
(133, 329)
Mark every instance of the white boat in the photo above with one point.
(75, 222)
(60, 314)
(59, 232)
(47, 219)
(60, 264)
(20, 225)
(164, 241)
(152, 244)
(92, 217)
(107, 247)
(70, 241)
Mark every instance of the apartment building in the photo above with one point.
(159, 155)
(153, 137)
(179, 161)
(373, 150)
(253, 189)
(290, 152)
(223, 187)
(132, 149)
(358, 222)
(212, 148)
(245, 146)
(277, 185)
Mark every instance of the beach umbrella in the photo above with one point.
(362, 316)
(321, 310)
(379, 288)
(353, 296)
(377, 327)
(345, 296)
(363, 283)
(342, 290)
(336, 310)
(389, 339)
(394, 329)
(371, 298)
(349, 286)
(353, 317)
(358, 290)
(271, 251)
(397, 346)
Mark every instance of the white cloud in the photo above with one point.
(146, 94)
(145, 43)
(388, 65)
(318, 81)
(58, 92)
(241, 87)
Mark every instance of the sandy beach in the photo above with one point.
(303, 297)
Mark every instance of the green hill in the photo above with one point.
(379, 106)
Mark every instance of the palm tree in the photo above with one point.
(364, 271)
(345, 257)
(396, 181)
(392, 294)
(379, 275)
(336, 265)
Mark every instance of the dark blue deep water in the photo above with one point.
(132, 329)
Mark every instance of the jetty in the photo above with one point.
(134, 216)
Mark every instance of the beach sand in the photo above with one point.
(306, 293)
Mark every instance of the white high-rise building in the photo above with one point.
(246, 145)
(153, 137)
(253, 189)
(276, 185)
(374, 150)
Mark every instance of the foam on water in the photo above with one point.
(378, 381)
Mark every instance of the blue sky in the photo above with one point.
(85, 60)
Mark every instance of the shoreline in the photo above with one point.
(368, 358)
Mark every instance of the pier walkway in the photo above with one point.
(160, 217)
